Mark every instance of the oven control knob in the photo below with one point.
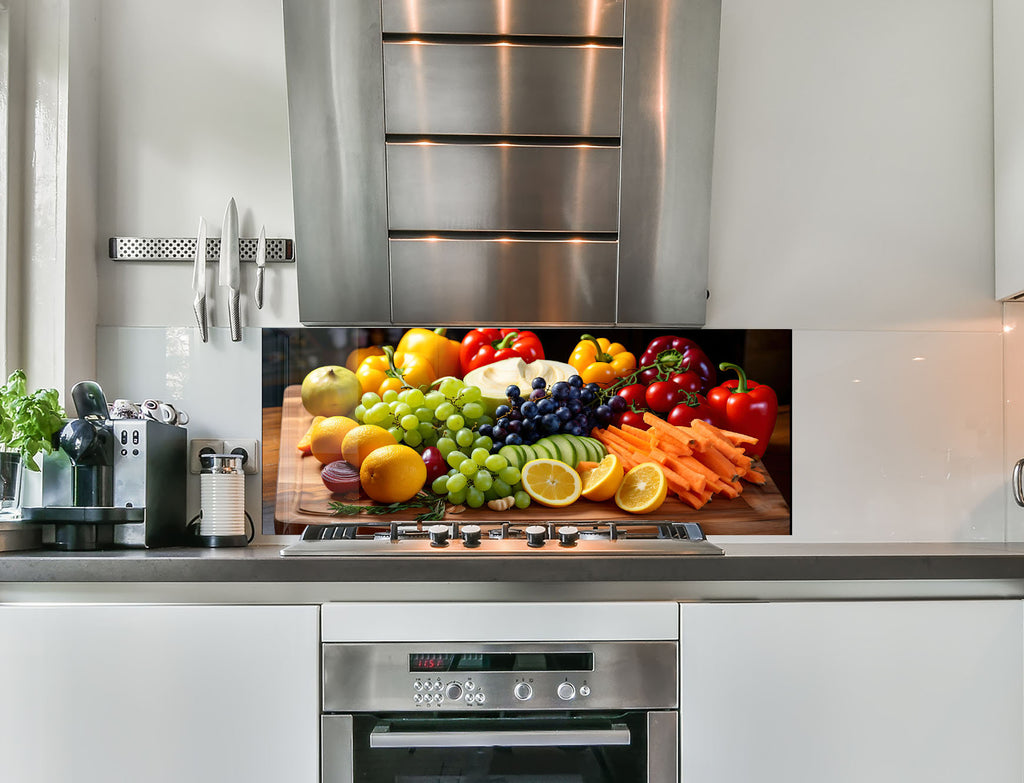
(522, 691)
(438, 535)
(568, 535)
(535, 535)
(566, 691)
(453, 691)
(471, 535)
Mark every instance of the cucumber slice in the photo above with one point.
(512, 455)
(528, 453)
(563, 447)
(543, 450)
(579, 446)
(597, 449)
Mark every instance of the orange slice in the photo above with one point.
(551, 483)
(601, 482)
(643, 489)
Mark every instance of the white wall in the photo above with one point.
(852, 203)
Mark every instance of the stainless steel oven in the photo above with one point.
(517, 712)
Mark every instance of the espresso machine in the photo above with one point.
(112, 482)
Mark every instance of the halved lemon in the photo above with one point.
(601, 482)
(551, 483)
(643, 489)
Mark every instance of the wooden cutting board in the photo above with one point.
(303, 499)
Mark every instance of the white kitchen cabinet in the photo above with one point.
(852, 692)
(159, 694)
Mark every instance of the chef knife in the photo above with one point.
(199, 281)
(229, 275)
(261, 261)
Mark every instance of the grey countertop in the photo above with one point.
(751, 571)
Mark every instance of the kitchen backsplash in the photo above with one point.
(896, 436)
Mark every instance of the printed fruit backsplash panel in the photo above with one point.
(501, 423)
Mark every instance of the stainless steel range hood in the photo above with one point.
(540, 162)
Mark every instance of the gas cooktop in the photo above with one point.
(647, 537)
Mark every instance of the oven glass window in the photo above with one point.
(616, 754)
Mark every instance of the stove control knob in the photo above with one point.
(438, 535)
(453, 691)
(522, 691)
(471, 535)
(568, 535)
(566, 691)
(535, 535)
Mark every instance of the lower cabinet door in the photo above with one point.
(159, 694)
(848, 692)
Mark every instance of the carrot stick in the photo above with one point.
(755, 477)
(617, 447)
(720, 442)
(670, 430)
(676, 482)
(719, 463)
(672, 446)
(737, 437)
(642, 443)
(696, 480)
(585, 465)
(714, 480)
(693, 499)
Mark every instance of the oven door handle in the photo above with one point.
(382, 737)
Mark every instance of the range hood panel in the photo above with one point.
(580, 133)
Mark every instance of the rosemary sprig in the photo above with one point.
(434, 506)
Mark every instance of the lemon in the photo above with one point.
(392, 474)
(600, 483)
(643, 489)
(551, 483)
(327, 436)
(331, 390)
(361, 441)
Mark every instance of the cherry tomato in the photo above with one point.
(688, 381)
(632, 418)
(663, 396)
(648, 376)
(683, 414)
(634, 395)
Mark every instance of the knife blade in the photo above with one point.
(261, 262)
(199, 282)
(229, 274)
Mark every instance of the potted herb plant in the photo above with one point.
(28, 422)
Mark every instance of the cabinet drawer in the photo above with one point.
(504, 17)
(500, 281)
(502, 89)
(502, 187)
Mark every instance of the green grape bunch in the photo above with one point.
(477, 477)
(450, 413)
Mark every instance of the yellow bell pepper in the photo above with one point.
(395, 371)
(442, 353)
(600, 361)
(356, 356)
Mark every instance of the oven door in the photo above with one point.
(638, 747)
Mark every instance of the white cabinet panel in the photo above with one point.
(160, 694)
(852, 692)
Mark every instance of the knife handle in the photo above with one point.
(199, 306)
(258, 294)
(234, 318)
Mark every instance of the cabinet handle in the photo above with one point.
(1018, 488)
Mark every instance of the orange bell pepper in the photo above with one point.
(600, 361)
(356, 356)
(394, 371)
(442, 353)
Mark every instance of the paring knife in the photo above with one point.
(229, 275)
(199, 281)
(261, 261)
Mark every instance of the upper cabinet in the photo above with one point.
(520, 161)
(1008, 135)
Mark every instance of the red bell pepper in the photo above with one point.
(670, 354)
(486, 346)
(745, 406)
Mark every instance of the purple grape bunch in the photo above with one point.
(570, 407)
